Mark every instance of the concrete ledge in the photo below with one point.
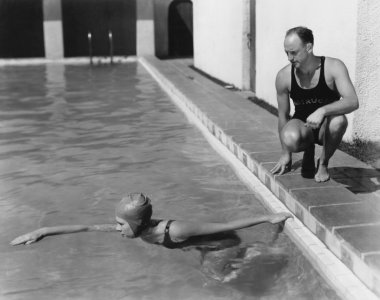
(72, 60)
(332, 212)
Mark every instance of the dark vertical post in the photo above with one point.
(90, 46)
(253, 44)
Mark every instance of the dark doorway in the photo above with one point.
(21, 29)
(99, 17)
(180, 28)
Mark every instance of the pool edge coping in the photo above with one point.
(80, 60)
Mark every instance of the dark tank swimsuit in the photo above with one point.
(307, 101)
(211, 242)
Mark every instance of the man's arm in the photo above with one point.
(38, 234)
(343, 84)
(184, 230)
(282, 101)
(282, 89)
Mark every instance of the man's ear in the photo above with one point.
(309, 47)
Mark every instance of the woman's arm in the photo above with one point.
(184, 230)
(38, 234)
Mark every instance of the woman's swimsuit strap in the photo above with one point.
(167, 240)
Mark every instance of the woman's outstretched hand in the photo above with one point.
(280, 217)
(28, 238)
(38, 234)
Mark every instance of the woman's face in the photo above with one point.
(124, 228)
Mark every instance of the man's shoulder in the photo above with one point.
(333, 62)
(333, 65)
(285, 70)
(283, 77)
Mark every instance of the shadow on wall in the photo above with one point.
(366, 151)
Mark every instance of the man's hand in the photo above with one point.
(283, 165)
(28, 238)
(280, 217)
(315, 120)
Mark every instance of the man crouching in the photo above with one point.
(322, 93)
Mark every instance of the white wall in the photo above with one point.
(346, 29)
(53, 32)
(334, 24)
(53, 39)
(144, 28)
(220, 42)
(366, 119)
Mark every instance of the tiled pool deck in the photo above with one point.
(344, 213)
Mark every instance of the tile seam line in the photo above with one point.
(317, 187)
(331, 178)
(320, 187)
(357, 225)
(287, 174)
(334, 204)
(253, 152)
(157, 75)
(364, 254)
(249, 143)
(333, 229)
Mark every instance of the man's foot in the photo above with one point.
(322, 174)
(308, 166)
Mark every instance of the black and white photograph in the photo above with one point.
(189, 149)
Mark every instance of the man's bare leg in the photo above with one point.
(297, 137)
(331, 133)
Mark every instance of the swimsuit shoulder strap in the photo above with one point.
(293, 82)
(168, 226)
(322, 72)
(167, 239)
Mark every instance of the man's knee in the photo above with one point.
(338, 124)
(291, 139)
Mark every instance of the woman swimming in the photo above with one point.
(221, 256)
(133, 218)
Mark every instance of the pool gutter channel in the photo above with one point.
(332, 261)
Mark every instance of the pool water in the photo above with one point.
(73, 140)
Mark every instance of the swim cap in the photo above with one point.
(136, 210)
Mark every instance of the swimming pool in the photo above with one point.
(73, 140)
